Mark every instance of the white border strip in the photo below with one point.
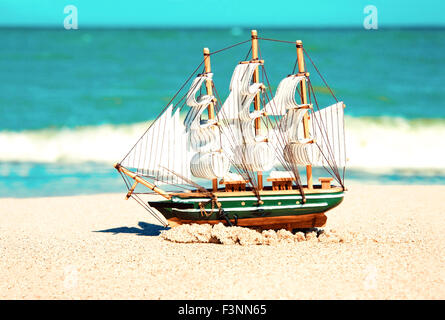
(322, 204)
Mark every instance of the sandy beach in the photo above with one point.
(103, 247)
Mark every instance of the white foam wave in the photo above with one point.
(395, 143)
(379, 143)
(105, 143)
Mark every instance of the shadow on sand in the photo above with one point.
(145, 229)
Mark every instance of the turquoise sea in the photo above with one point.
(72, 102)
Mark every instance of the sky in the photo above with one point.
(222, 13)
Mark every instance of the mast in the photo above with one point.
(256, 79)
(210, 108)
(301, 71)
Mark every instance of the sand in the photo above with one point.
(103, 247)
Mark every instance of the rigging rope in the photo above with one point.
(322, 78)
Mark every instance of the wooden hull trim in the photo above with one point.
(283, 222)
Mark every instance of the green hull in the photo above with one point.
(246, 206)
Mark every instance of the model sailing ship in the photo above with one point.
(232, 143)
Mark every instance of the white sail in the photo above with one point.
(292, 124)
(325, 145)
(180, 151)
(329, 134)
(254, 156)
(237, 132)
(194, 101)
(242, 93)
(204, 140)
(162, 147)
(203, 135)
(158, 153)
(248, 92)
(241, 143)
(287, 131)
(198, 104)
(284, 98)
(287, 136)
(301, 153)
(209, 165)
